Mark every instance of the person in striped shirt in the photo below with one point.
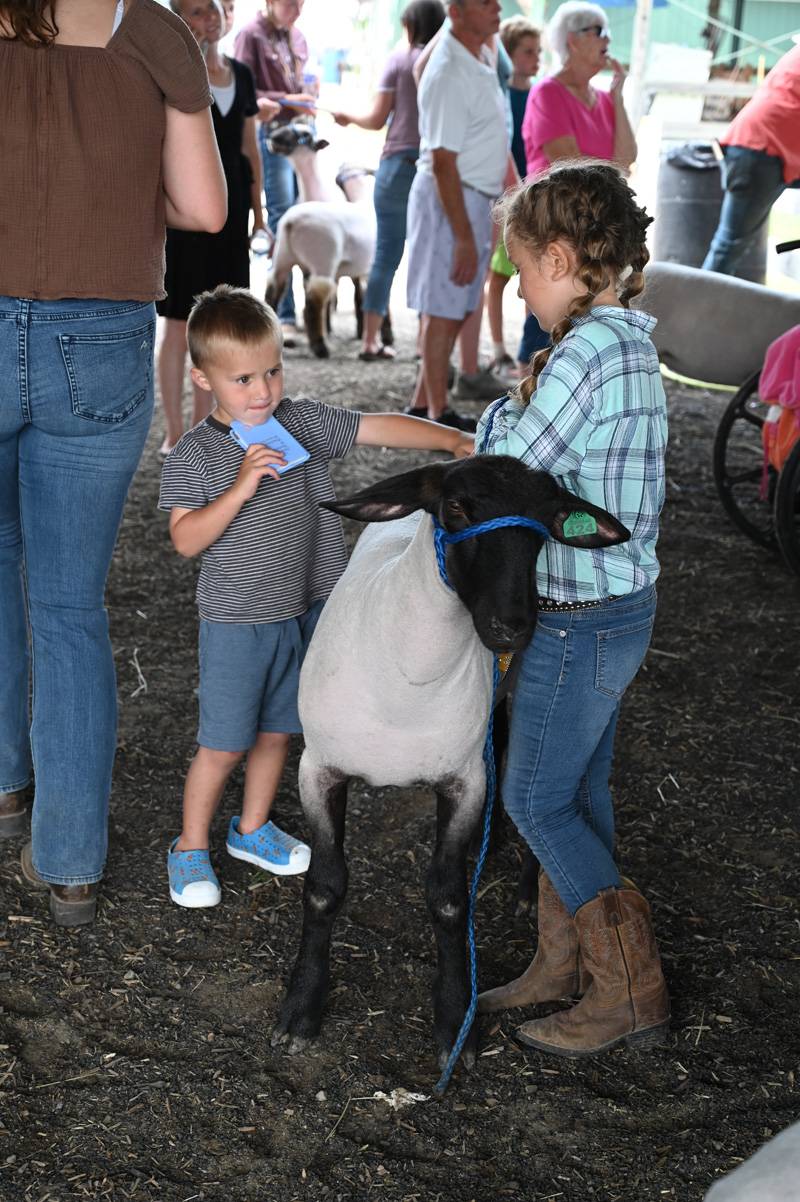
(270, 557)
(593, 414)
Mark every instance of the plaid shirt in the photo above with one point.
(598, 423)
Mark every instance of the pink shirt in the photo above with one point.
(771, 120)
(553, 112)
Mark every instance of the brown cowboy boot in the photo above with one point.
(555, 971)
(70, 905)
(627, 998)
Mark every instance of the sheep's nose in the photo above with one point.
(505, 633)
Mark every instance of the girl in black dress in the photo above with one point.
(195, 261)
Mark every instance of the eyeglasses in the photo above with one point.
(598, 30)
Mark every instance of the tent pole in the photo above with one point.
(639, 43)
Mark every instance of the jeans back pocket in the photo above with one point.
(110, 374)
(619, 656)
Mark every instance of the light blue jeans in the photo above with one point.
(392, 185)
(753, 181)
(76, 398)
(561, 743)
(280, 193)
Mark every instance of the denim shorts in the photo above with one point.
(430, 251)
(249, 675)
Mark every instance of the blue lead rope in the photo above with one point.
(442, 539)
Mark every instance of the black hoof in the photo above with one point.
(320, 350)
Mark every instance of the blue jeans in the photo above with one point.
(534, 339)
(76, 398)
(392, 186)
(753, 181)
(561, 744)
(280, 193)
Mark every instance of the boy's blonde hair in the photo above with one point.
(225, 315)
(589, 205)
(514, 29)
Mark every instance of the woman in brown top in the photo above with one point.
(276, 53)
(106, 134)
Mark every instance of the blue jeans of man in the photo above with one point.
(76, 398)
(392, 185)
(280, 192)
(561, 744)
(753, 181)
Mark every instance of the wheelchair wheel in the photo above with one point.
(739, 465)
(787, 510)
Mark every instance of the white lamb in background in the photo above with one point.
(325, 236)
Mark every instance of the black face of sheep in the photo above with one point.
(494, 574)
(284, 139)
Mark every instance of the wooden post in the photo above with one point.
(638, 61)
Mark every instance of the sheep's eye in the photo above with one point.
(455, 509)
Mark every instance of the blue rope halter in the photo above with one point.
(442, 539)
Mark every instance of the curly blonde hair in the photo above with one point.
(590, 206)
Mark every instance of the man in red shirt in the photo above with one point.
(762, 157)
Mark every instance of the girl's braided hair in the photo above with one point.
(590, 206)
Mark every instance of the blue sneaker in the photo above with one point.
(192, 880)
(269, 847)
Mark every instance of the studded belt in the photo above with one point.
(547, 605)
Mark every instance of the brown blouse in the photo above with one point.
(82, 209)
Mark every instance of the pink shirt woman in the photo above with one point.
(553, 112)
(566, 117)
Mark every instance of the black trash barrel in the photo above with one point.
(687, 211)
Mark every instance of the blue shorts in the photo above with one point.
(249, 674)
(430, 251)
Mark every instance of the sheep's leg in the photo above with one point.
(459, 807)
(324, 796)
(358, 304)
(387, 333)
(320, 291)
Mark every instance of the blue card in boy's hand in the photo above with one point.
(274, 435)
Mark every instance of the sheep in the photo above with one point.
(326, 236)
(713, 327)
(770, 1175)
(396, 688)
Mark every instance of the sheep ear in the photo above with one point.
(394, 498)
(578, 523)
(320, 144)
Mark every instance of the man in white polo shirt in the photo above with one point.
(464, 156)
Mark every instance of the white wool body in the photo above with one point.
(396, 687)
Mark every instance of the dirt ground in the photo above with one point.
(134, 1054)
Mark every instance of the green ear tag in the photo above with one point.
(579, 523)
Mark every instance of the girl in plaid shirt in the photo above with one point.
(593, 414)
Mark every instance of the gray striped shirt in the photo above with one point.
(281, 552)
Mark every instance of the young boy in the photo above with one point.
(522, 42)
(270, 557)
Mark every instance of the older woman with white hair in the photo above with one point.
(565, 116)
